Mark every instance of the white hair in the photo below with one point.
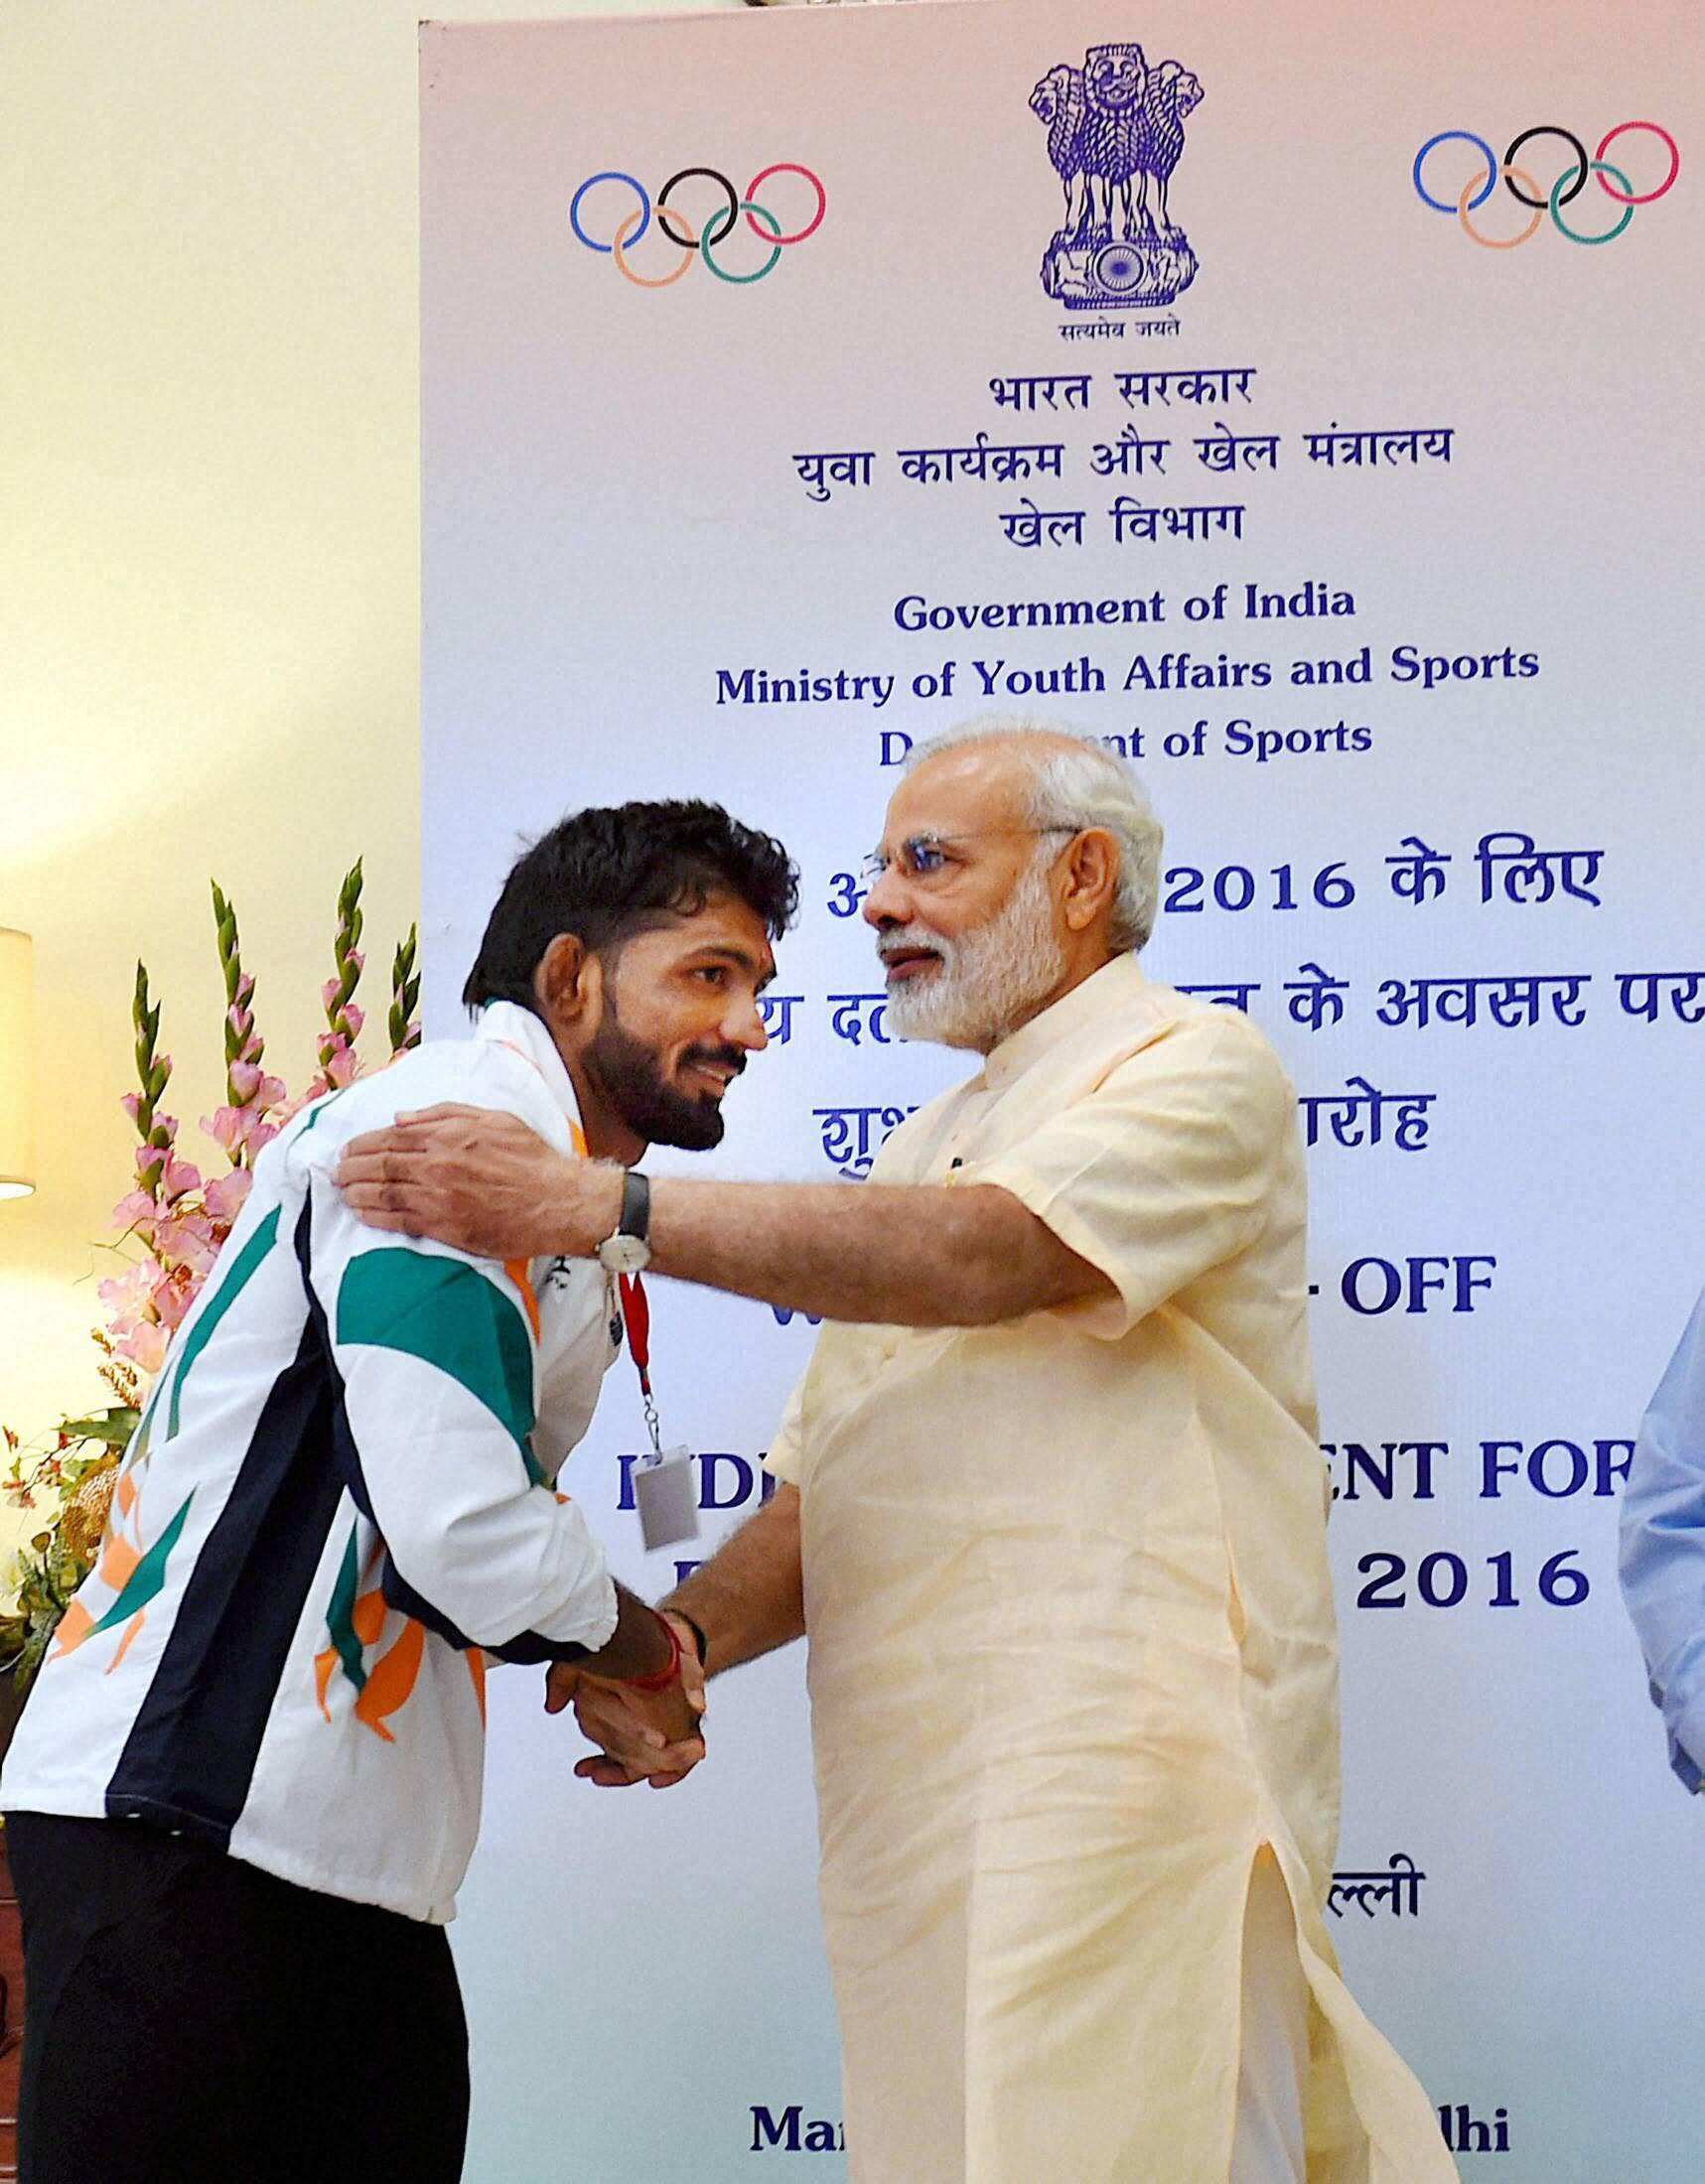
(1078, 782)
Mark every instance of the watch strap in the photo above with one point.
(635, 1205)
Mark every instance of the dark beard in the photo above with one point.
(627, 1074)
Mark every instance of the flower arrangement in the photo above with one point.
(173, 1223)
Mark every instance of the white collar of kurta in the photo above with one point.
(507, 1023)
(1114, 984)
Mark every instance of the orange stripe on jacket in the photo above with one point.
(131, 1628)
(392, 1680)
(118, 1560)
(521, 1273)
(368, 1617)
(75, 1626)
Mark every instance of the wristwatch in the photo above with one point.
(627, 1252)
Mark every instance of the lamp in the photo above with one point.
(17, 1067)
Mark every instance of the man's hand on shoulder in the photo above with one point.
(482, 1181)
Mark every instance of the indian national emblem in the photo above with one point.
(1115, 131)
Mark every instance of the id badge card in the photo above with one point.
(664, 1492)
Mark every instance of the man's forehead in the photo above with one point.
(976, 786)
(726, 925)
(733, 930)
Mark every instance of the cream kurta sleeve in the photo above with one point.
(782, 1457)
(1165, 1169)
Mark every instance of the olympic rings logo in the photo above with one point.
(695, 243)
(1564, 191)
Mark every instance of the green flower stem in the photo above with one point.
(405, 994)
(347, 960)
(154, 1073)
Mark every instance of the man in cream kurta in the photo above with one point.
(1052, 1517)
(1073, 1667)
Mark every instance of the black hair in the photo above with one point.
(613, 871)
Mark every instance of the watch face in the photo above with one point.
(624, 1254)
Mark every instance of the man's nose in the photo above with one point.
(744, 1027)
(888, 902)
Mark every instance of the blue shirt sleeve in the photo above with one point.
(1663, 1554)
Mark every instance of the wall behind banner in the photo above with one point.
(209, 556)
(633, 591)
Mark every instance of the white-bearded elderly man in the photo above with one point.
(1053, 1518)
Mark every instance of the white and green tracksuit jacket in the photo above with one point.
(339, 1500)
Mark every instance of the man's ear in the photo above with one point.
(1091, 877)
(568, 985)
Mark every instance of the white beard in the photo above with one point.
(990, 981)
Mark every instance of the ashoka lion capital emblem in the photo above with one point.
(1115, 132)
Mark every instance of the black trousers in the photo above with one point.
(192, 2020)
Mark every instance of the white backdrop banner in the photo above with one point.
(1307, 403)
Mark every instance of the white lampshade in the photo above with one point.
(17, 1067)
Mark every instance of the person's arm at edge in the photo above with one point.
(1662, 1548)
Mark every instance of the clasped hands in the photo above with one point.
(642, 1736)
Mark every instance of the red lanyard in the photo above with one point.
(636, 1318)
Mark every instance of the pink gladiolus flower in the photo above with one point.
(164, 1244)
(254, 1087)
(226, 1128)
(256, 1131)
(244, 990)
(225, 1195)
(189, 1241)
(133, 1210)
(180, 1177)
(355, 1018)
(132, 1104)
(145, 1347)
(242, 1129)
(342, 1066)
(330, 991)
(172, 1300)
(128, 1294)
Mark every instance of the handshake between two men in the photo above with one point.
(643, 1734)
